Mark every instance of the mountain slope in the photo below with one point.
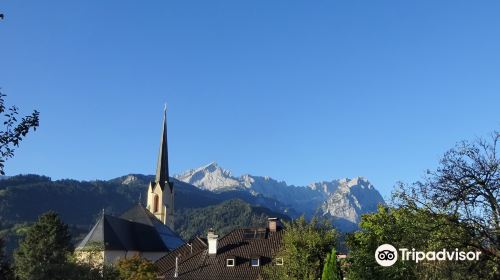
(223, 217)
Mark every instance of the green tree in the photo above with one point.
(5, 269)
(465, 190)
(331, 268)
(44, 252)
(407, 228)
(304, 249)
(136, 268)
(14, 130)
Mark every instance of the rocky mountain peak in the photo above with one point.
(359, 181)
(210, 177)
(129, 179)
(343, 200)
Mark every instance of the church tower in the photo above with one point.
(161, 191)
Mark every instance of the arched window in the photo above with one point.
(156, 204)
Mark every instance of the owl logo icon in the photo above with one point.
(386, 255)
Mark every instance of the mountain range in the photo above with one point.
(205, 197)
(343, 201)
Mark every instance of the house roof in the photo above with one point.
(135, 230)
(238, 244)
(190, 249)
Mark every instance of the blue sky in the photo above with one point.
(300, 91)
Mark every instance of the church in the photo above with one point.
(144, 231)
(149, 233)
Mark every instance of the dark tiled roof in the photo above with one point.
(119, 234)
(136, 230)
(236, 244)
(139, 214)
(190, 249)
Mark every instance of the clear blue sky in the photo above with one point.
(300, 91)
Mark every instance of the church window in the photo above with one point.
(156, 204)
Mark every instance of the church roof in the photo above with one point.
(136, 230)
(241, 245)
(139, 214)
(119, 234)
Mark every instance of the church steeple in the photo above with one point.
(162, 164)
(161, 191)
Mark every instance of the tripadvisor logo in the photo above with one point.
(387, 255)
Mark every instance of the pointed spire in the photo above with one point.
(162, 164)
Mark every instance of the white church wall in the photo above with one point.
(113, 257)
(153, 256)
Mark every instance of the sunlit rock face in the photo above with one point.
(343, 200)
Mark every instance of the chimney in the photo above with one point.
(212, 242)
(273, 224)
(176, 273)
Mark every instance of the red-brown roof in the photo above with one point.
(241, 244)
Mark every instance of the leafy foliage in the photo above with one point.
(43, 253)
(331, 269)
(304, 249)
(14, 130)
(85, 271)
(465, 189)
(408, 228)
(136, 268)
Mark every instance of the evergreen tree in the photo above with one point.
(331, 269)
(327, 268)
(5, 269)
(44, 252)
